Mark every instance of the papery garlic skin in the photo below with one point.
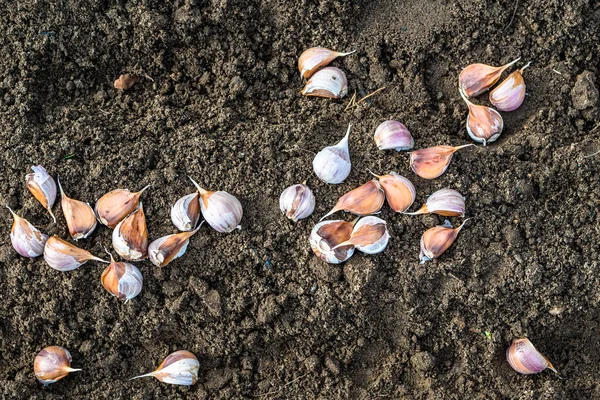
(435, 241)
(400, 193)
(446, 202)
(315, 58)
(393, 135)
(179, 368)
(114, 206)
(297, 202)
(26, 239)
(524, 358)
(63, 256)
(42, 187)
(325, 238)
(477, 78)
(122, 280)
(130, 236)
(185, 213)
(329, 82)
(432, 162)
(332, 164)
(80, 216)
(168, 248)
(509, 95)
(364, 200)
(52, 364)
(369, 236)
(221, 210)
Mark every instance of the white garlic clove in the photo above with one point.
(370, 235)
(80, 217)
(509, 95)
(168, 248)
(332, 164)
(484, 124)
(186, 212)
(26, 239)
(329, 82)
(393, 135)
(435, 241)
(446, 202)
(364, 200)
(477, 78)
(524, 358)
(122, 280)
(432, 162)
(297, 202)
(179, 368)
(52, 364)
(42, 187)
(114, 206)
(325, 238)
(221, 210)
(315, 58)
(130, 236)
(63, 256)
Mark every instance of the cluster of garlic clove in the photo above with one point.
(484, 124)
(323, 81)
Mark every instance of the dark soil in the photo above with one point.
(264, 316)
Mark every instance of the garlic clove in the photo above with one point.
(167, 248)
(114, 206)
(297, 202)
(26, 239)
(315, 58)
(52, 364)
(179, 368)
(42, 187)
(186, 212)
(446, 202)
(432, 162)
(400, 193)
(364, 200)
(130, 236)
(122, 280)
(63, 256)
(435, 241)
(221, 210)
(80, 217)
(509, 95)
(332, 164)
(524, 358)
(477, 78)
(325, 238)
(329, 82)
(484, 124)
(393, 135)
(370, 235)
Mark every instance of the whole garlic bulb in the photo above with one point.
(332, 164)
(122, 280)
(221, 210)
(52, 364)
(179, 368)
(26, 239)
(297, 202)
(42, 187)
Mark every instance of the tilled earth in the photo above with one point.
(219, 101)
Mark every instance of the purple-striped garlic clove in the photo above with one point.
(80, 216)
(130, 236)
(168, 248)
(477, 78)
(42, 187)
(64, 256)
(484, 124)
(432, 162)
(26, 239)
(315, 58)
(114, 206)
(509, 95)
(524, 358)
(52, 364)
(364, 200)
(122, 280)
(179, 368)
(393, 135)
(369, 235)
(435, 241)
(297, 202)
(400, 193)
(222, 211)
(185, 213)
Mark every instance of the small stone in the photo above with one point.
(213, 302)
(237, 86)
(422, 361)
(312, 363)
(268, 310)
(584, 94)
(199, 286)
(513, 236)
(332, 365)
